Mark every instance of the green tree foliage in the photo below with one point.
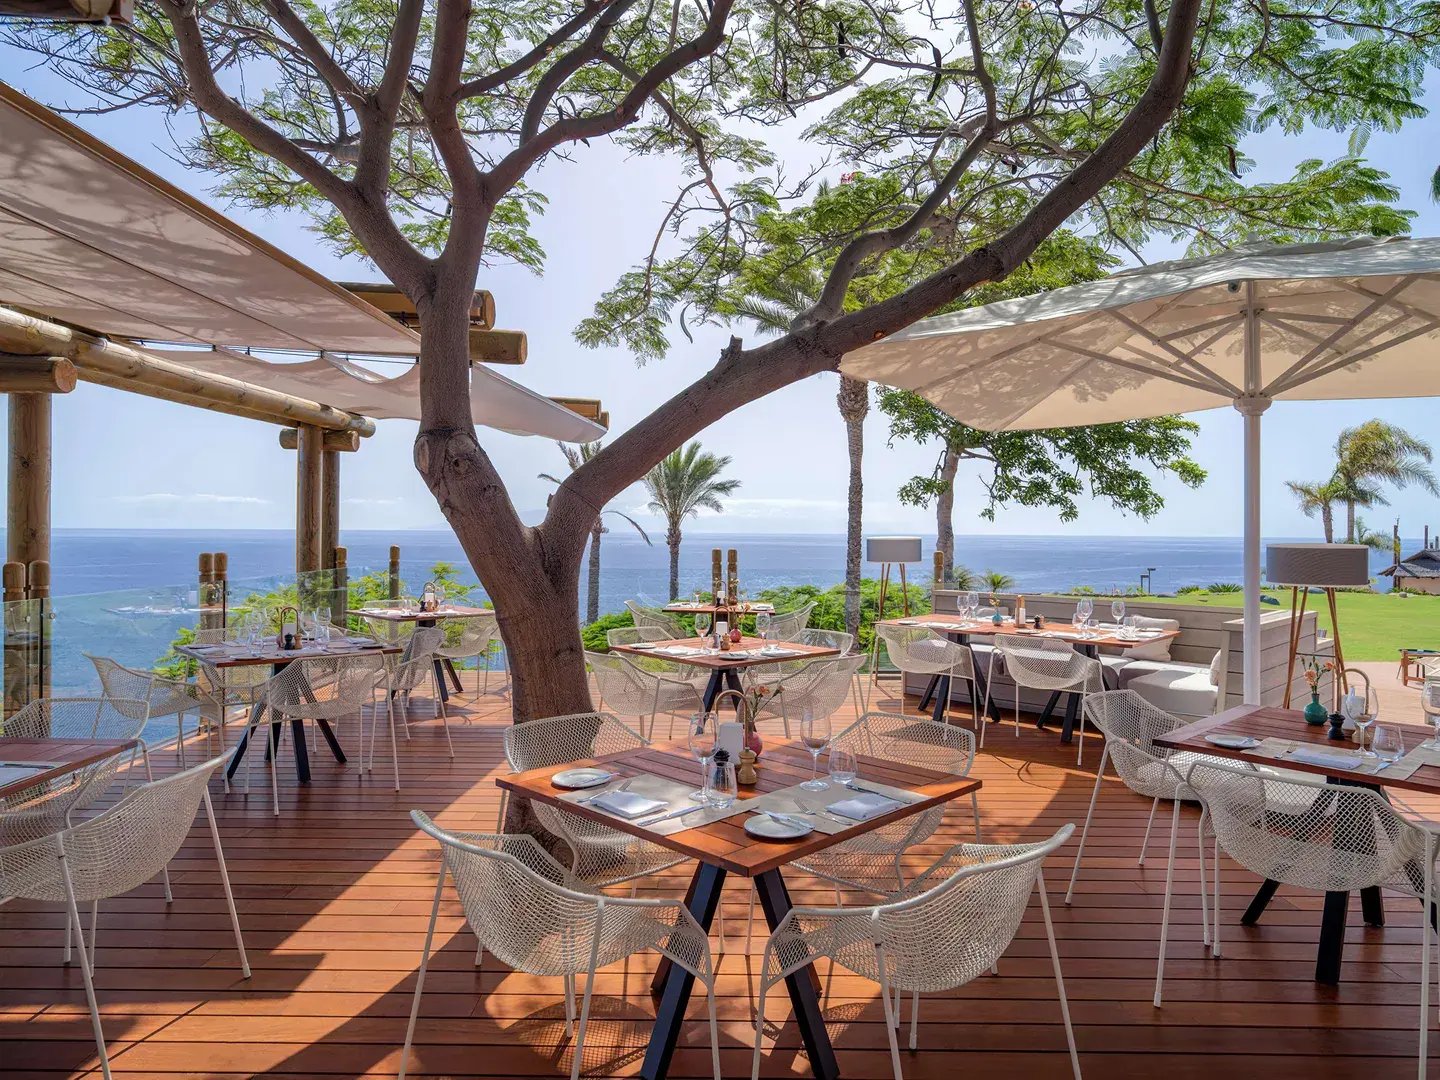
(682, 485)
(1367, 457)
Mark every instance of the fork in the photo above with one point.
(810, 811)
(624, 785)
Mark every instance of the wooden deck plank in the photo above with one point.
(334, 899)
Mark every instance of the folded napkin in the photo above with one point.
(1325, 757)
(627, 804)
(679, 650)
(865, 806)
(772, 650)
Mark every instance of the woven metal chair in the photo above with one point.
(535, 918)
(633, 635)
(329, 688)
(652, 618)
(112, 853)
(1131, 725)
(1049, 664)
(916, 650)
(789, 626)
(416, 666)
(163, 697)
(389, 631)
(948, 927)
(1309, 834)
(817, 687)
(240, 685)
(600, 856)
(628, 689)
(476, 639)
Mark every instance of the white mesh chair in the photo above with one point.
(389, 631)
(533, 917)
(789, 626)
(950, 926)
(632, 635)
(417, 665)
(1049, 664)
(1131, 725)
(817, 687)
(112, 853)
(329, 688)
(476, 639)
(628, 689)
(1311, 835)
(651, 618)
(163, 697)
(239, 686)
(121, 719)
(916, 650)
(599, 856)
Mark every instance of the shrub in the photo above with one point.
(594, 635)
(1225, 586)
(995, 581)
(1189, 590)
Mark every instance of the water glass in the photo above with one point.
(1117, 611)
(700, 737)
(972, 602)
(1365, 721)
(843, 767)
(1388, 743)
(1086, 607)
(815, 734)
(762, 624)
(722, 790)
(702, 625)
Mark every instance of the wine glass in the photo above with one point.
(1117, 610)
(700, 738)
(702, 625)
(1365, 721)
(762, 625)
(1389, 743)
(1078, 621)
(1086, 607)
(722, 790)
(815, 734)
(972, 603)
(843, 766)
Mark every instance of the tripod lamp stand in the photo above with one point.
(1316, 566)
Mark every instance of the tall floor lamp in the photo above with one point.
(1315, 566)
(890, 551)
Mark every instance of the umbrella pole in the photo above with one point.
(1252, 406)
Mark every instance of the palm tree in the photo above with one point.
(1375, 541)
(1376, 453)
(995, 581)
(785, 299)
(680, 486)
(577, 456)
(1318, 498)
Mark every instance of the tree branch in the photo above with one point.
(485, 84)
(554, 78)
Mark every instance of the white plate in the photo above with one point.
(643, 645)
(1233, 742)
(764, 827)
(579, 779)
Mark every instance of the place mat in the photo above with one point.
(10, 773)
(675, 793)
(795, 801)
(1341, 757)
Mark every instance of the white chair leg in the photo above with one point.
(714, 1029)
(975, 809)
(585, 1009)
(1150, 821)
(1080, 732)
(420, 974)
(914, 1018)
(1204, 899)
(150, 778)
(888, 1005)
(445, 720)
(569, 981)
(1215, 937)
(1085, 829)
(1165, 911)
(225, 884)
(750, 923)
(94, 932)
(273, 737)
(1425, 932)
(85, 971)
(759, 1026)
(395, 749)
(1059, 979)
(180, 739)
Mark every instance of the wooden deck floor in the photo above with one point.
(334, 897)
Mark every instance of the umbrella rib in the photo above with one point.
(1355, 358)
(1224, 320)
(1313, 369)
(1377, 301)
(1180, 355)
(1047, 337)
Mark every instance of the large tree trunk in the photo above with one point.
(945, 512)
(672, 541)
(592, 597)
(854, 402)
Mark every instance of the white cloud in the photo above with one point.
(205, 498)
(376, 501)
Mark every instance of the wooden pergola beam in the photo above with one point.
(498, 346)
(27, 509)
(389, 299)
(125, 367)
(36, 374)
(341, 442)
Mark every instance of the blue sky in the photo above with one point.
(123, 461)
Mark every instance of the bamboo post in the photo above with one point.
(205, 591)
(37, 587)
(939, 572)
(330, 508)
(394, 572)
(27, 519)
(308, 486)
(222, 586)
(715, 571)
(17, 677)
(340, 604)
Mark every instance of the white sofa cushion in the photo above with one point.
(1180, 689)
(1217, 665)
(1155, 650)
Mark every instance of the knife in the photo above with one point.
(672, 814)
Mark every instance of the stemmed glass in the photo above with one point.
(1078, 620)
(762, 625)
(815, 734)
(1117, 610)
(700, 738)
(972, 603)
(1365, 721)
(702, 626)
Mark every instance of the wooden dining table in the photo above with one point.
(1268, 721)
(721, 848)
(279, 658)
(962, 630)
(31, 763)
(725, 666)
(445, 673)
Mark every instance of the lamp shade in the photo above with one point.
(1318, 565)
(892, 549)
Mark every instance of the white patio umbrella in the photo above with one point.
(1349, 319)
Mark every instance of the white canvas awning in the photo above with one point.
(495, 401)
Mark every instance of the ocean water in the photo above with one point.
(126, 593)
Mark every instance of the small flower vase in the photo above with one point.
(997, 618)
(753, 742)
(1316, 715)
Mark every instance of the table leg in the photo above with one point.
(929, 691)
(804, 995)
(1332, 938)
(331, 741)
(1372, 906)
(704, 899)
(302, 752)
(713, 688)
(1072, 717)
(1259, 903)
(1049, 710)
(942, 698)
(440, 687)
(255, 717)
(982, 685)
(454, 675)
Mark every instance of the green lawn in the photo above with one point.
(1374, 626)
